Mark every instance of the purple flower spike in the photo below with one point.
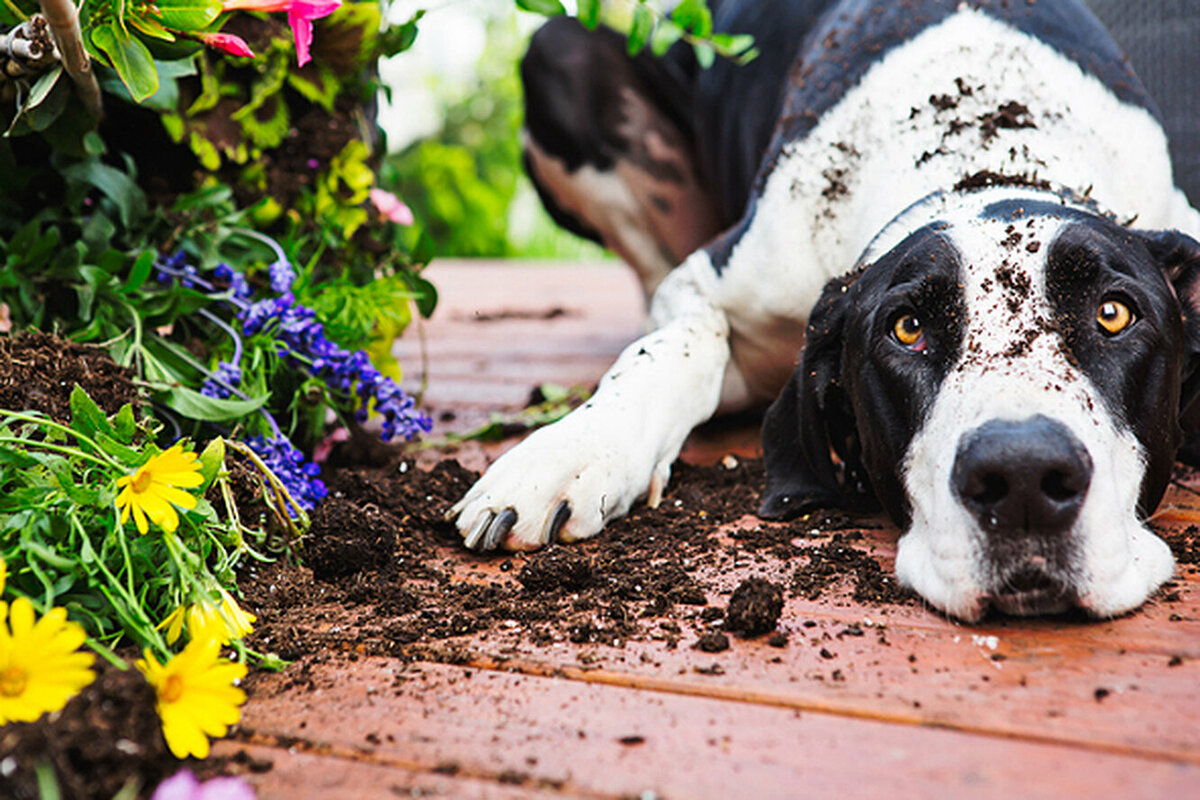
(297, 475)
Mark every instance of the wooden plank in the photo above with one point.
(301, 771)
(598, 740)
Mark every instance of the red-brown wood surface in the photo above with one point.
(863, 702)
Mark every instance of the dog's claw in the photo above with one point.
(476, 535)
(499, 528)
(562, 512)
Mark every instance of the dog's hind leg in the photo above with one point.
(609, 146)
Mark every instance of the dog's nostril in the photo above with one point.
(992, 488)
(1061, 486)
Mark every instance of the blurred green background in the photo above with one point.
(452, 114)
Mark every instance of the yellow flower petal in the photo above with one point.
(41, 667)
(196, 695)
(154, 490)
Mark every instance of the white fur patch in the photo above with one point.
(1014, 365)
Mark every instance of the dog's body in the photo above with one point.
(942, 198)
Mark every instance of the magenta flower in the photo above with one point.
(390, 207)
(301, 14)
(184, 786)
(234, 45)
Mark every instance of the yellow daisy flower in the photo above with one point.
(41, 667)
(153, 490)
(196, 695)
(225, 622)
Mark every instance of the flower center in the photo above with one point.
(13, 681)
(173, 689)
(141, 480)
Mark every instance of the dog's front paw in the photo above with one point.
(561, 484)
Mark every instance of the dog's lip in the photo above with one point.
(1032, 590)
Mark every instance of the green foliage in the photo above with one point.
(64, 544)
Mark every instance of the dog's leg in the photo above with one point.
(566, 480)
(610, 148)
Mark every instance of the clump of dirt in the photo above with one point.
(985, 178)
(107, 737)
(754, 607)
(38, 373)
(346, 538)
(557, 568)
(1011, 115)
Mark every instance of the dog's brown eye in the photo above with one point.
(907, 330)
(1113, 317)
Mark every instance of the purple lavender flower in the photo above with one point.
(302, 343)
(298, 476)
(226, 277)
(282, 276)
(224, 379)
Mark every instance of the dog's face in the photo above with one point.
(1007, 383)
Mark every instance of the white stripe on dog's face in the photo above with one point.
(1014, 365)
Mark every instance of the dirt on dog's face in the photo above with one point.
(1008, 384)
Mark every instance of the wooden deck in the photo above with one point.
(861, 703)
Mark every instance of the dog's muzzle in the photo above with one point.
(1025, 483)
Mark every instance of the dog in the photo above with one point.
(965, 214)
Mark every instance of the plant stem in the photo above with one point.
(68, 451)
(64, 24)
(45, 422)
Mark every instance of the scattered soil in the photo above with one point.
(38, 372)
(386, 573)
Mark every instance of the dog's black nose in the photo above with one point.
(1029, 476)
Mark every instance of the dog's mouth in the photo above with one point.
(1033, 590)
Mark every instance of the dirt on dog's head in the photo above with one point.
(1007, 381)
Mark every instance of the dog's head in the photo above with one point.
(1008, 384)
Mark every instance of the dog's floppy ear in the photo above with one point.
(811, 417)
(1179, 256)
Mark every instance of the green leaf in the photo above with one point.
(124, 425)
(211, 461)
(194, 405)
(426, 294)
(41, 89)
(547, 8)
(152, 28)
(114, 448)
(666, 34)
(642, 27)
(705, 55)
(116, 185)
(188, 15)
(693, 16)
(588, 13)
(732, 44)
(141, 270)
(130, 58)
(86, 416)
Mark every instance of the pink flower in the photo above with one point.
(300, 13)
(234, 45)
(184, 786)
(390, 207)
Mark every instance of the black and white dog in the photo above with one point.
(966, 213)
